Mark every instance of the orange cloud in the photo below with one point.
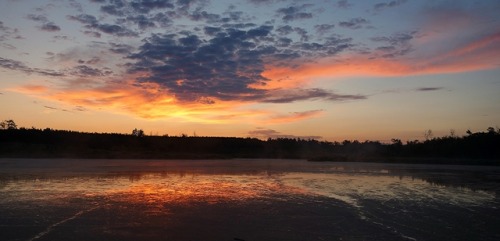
(151, 101)
(477, 55)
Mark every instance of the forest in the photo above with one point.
(481, 148)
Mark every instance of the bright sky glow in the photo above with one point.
(330, 70)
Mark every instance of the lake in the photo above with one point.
(71, 199)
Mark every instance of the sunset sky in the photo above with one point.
(329, 70)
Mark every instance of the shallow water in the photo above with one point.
(245, 200)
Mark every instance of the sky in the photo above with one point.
(326, 70)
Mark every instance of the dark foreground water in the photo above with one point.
(245, 200)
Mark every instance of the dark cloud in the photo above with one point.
(46, 24)
(323, 28)
(7, 33)
(294, 13)
(80, 70)
(121, 48)
(284, 30)
(91, 61)
(145, 6)
(273, 134)
(37, 18)
(142, 21)
(92, 34)
(343, 4)
(2, 27)
(76, 5)
(91, 22)
(223, 67)
(50, 107)
(12, 64)
(8, 46)
(162, 19)
(113, 10)
(20, 66)
(86, 71)
(302, 33)
(354, 23)
(263, 1)
(117, 30)
(50, 27)
(396, 39)
(80, 108)
(63, 37)
(398, 44)
(59, 109)
(429, 88)
(384, 5)
(204, 16)
(293, 95)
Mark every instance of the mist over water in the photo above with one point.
(43, 199)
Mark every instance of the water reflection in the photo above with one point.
(351, 188)
(119, 199)
(349, 185)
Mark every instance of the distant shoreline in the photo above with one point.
(474, 149)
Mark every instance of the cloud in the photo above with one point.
(273, 134)
(400, 38)
(124, 49)
(86, 71)
(354, 23)
(20, 66)
(294, 116)
(293, 13)
(50, 27)
(323, 28)
(91, 22)
(398, 44)
(264, 1)
(46, 24)
(391, 4)
(145, 6)
(8, 33)
(145, 100)
(479, 54)
(220, 68)
(50, 107)
(293, 95)
(76, 71)
(343, 4)
(425, 89)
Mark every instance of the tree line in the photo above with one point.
(472, 148)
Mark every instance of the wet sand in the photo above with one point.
(245, 200)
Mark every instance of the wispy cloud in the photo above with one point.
(46, 24)
(293, 116)
(19, 66)
(425, 89)
(391, 4)
(273, 134)
(294, 13)
(354, 23)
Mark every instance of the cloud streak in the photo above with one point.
(273, 134)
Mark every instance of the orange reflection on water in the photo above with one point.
(164, 188)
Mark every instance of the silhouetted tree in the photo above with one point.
(8, 125)
(138, 132)
(428, 134)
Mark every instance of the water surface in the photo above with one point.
(73, 199)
